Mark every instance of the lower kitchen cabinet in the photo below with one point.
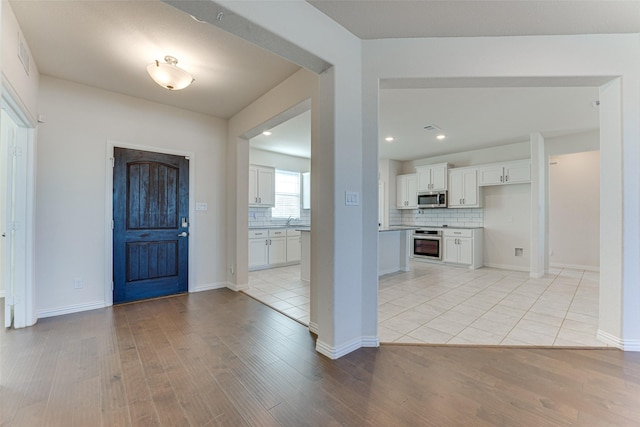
(293, 246)
(273, 247)
(463, 247)
(277, 247)
(258, 248)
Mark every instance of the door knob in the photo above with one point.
(183, 234)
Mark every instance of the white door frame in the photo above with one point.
(23, 226)
(108, 226)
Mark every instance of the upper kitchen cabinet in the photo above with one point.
(463, 188)
(432, 177)
(505, 173)
(407, 191)
(262, 186)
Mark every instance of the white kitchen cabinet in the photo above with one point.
(432, 177)
(293, 246)
(406, 191)
(463, 188)
(505, 173)
(273, 247)
(258, 248)
(262, 186)
(463, 246)
(277, 246)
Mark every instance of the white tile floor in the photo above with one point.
(282, 289)
(437, 304)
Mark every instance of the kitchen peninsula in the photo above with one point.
(393, 250)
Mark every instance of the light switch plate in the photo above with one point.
(351, 198)
(201, 206)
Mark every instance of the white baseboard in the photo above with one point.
(337, 352)
(236, 287)
(386, 271)
(370, 342)
(76, 308)
(506, 267)
(209, 286)
(625, 345)
(313, 327)
(575, 267)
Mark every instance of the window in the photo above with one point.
(287, 195)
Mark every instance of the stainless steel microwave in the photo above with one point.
(432, 199)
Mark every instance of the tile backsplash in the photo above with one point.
(437, 217)
(261, 217)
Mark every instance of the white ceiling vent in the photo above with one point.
(431, 128)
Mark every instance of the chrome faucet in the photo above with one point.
(289, 220)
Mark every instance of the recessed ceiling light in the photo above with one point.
(266, 133)
(390, 139)
(441, 137)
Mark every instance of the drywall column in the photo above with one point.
(538, 206)
(611, 216)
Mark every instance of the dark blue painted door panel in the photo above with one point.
(150, 211)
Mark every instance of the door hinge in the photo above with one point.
(113, 162)
(113, 224)
(10, 300)
(12, 226)
(111, 286)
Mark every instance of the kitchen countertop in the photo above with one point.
(270, 227)
(398, 228)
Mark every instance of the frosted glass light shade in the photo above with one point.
(169, 75)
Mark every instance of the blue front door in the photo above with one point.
(150, 236)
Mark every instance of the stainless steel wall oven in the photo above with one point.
(427, 244)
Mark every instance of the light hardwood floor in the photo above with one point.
(222, 358)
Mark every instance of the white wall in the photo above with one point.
(72, 159)
(502, 153)
(22, 87)
(574, 210)
(279, 161)
(507, 222)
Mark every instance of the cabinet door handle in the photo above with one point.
(501, 179)
(506, 178)
(464, 201)
(266, 242)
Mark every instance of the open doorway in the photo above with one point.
(16, 192)
(279, 214)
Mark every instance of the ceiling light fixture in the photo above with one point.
(441, 137)
(169, 75)
(389, 139)
(266, 133)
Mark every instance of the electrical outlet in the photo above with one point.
(519, 252)
(77, 283)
